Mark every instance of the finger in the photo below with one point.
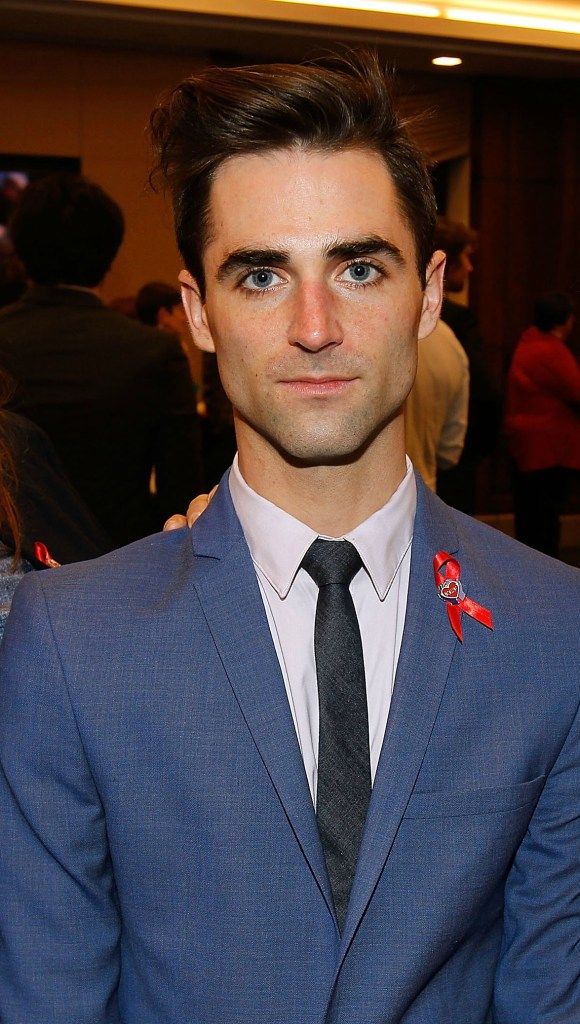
(199, 505)
(175, 523)
(196, 507)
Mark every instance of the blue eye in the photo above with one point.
(260, 279)
(360, 272)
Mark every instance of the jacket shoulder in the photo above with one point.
(130, 576)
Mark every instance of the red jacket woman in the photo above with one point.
(543, 422)
(543, 403)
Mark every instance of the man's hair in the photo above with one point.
(452, 237)
(66, 230)
(552, 310)
(155, 296)
(341, 102)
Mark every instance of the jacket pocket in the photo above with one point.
(491, 800)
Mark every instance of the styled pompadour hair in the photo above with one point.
(340, 102)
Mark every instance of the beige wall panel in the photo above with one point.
(40, 101)
(119, 91)
(95, 105)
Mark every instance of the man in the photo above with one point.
(115, 397)
(159, 305)
(543, 422)
(436, 407)
(191, 727)
(458, 487)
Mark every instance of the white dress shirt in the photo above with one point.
(278, 543)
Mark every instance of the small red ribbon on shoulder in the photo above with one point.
(43, 555)
(449, 588)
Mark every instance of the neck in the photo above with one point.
(330, 499)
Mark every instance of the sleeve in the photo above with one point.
(452, 437)
(538, 975)
(177, 446)
(59, 919)
(561, 374)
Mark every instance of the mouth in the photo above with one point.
(318, 385)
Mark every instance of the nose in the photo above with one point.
(314, 324)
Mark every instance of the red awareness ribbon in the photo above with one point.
(43, 555)
(450, 590)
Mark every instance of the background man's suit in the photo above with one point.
(114, 396)
(154, 790)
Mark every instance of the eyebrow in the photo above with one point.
(245, 259)
(372, 245)
(358, 248)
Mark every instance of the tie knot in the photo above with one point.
(331, 561)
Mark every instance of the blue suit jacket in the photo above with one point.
(160, 862)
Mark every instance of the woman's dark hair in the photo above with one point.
(66, 230)
(329, 104)
(552, 310)
(155, 296)
(10, 527)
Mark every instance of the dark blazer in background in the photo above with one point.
(115, 398)
(458, 485)
(49, 508)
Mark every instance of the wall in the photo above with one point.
(95, 105)
(525, 188)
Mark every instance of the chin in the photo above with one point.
(333, 450)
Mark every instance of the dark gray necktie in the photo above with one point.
(344, 773)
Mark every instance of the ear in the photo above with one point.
(195, 312)
(433, 294)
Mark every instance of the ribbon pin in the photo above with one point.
(449, 588)
(43, 555)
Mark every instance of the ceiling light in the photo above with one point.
(447, 62)
(512, 19)
(522, 14)
(409, 8)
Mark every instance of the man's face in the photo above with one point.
(313, 301)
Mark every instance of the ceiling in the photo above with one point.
(229, 38)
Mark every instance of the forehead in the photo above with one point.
(302, 199)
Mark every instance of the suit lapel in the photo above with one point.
(230, 598)
(424, 661)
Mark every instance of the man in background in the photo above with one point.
(159, 305)
(114, 396)
(436, 409)
(458, 486)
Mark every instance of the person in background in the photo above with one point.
(113, 395)
(159, 305)
(43, 521)
(12, 279)
(217, 422)
(458, 486)
(542, 422)
(436, 408)
(284, 769)
(124, 304)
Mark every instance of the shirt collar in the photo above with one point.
(278, 542)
